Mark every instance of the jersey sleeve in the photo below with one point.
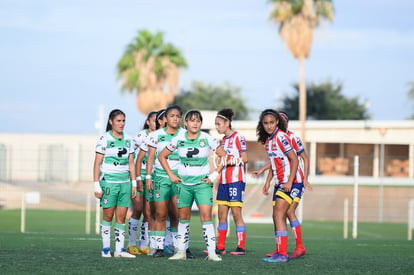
(284, 143)
(144, 146)
(152, 140)
(172, 145)
(213, 142)
(241, 143)
(297, 143)
(101, 145)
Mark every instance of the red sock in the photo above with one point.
(282, 243)
(298, 236)
(221, 239)
(241, 236)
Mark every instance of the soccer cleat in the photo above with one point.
(298, 252)
(189, 255)
(180, 255)
(218, 251)
(169, 249)
(123, 254)
(106, 252)
(144, 251)
(151, 251)
(238, 251)
(271, 254)
(132, 249)
(158, 253)
(213, 257)
(276, 258)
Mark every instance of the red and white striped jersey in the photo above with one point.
(234, 145)
(277, 146)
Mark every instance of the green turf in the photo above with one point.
(55, 242)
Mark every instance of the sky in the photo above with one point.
(58, 58)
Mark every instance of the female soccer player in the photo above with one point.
(113, 173)
(304, 166)
(138, 202)
(163, 189)
(194, 181)
(271, 132)
(147, 240)
(232, 183)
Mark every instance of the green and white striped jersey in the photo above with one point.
(194, 156)
(115, 165)
(159, 139)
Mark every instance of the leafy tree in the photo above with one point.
(209, 97)
(296, 20)
(325, 102)
(148, 66)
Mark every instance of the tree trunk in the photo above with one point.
(149, 100)
(302, 100)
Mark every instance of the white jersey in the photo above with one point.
(193, 155)
(115, 165)
(158, 140)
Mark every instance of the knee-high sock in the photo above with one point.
(222, 234)
(143, 238)
(209, 237)
(106, 233)
(296, 231)
(132, 231)
(281, 242)
(241, 235)
(159, 239)
(182, 235)
(119, 236)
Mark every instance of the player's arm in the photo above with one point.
(138, 167)
(294, 163)
(132, 174)
(260, 171)
(305, 159)
(96, 171)
(162, 157)
(150, 164)
(211, 179)
(267, 182)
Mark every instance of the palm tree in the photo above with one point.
(149, 66)
(296, 20)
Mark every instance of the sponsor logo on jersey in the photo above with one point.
(111, 144)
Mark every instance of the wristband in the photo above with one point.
(97, 187)
(134, 183)
(148, 177)
(139, 178)
(213, 176)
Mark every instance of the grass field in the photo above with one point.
(55, 242)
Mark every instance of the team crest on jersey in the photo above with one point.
(127, 143)
(202, 143)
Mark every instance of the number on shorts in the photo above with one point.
(233, 192)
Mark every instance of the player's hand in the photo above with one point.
(148, 184)
(266, 189)
(134, 192)
(140, 186)
(287, 186)
(98, 190)
(175, 179)
(255, 173)
(307, 185)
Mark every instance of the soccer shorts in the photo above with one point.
(115, 194)
(231, 194)
(164, 189)
(295, 193)
(201, 193)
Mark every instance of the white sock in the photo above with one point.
(160, 241)
(209, 237)
(153, 243)
(168, 234)
(183, 236)
(143, 239)
(119, 236)
(106, 235)
(132, 231)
